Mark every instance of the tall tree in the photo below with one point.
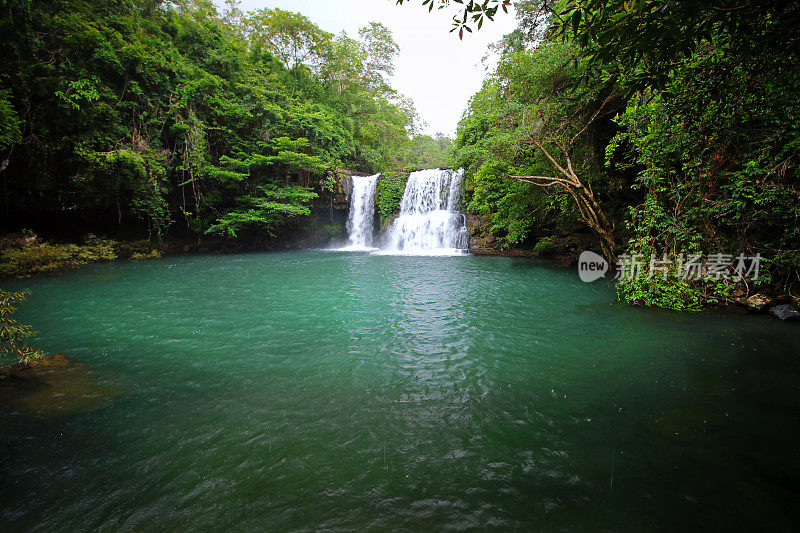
(292, 37)
(380, 51)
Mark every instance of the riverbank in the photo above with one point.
(25, 255)
(563, 251)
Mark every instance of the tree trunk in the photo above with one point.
(594, 217)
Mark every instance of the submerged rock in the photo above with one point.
(785, 312)
(759, 302)
(53, 386)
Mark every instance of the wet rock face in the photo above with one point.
(785, 312)
(481, 240)
(758, 302)
(483, 244)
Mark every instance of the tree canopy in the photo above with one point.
(176, 115)
(471, 12)
(677, 121)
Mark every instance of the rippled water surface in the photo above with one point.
(313, 390)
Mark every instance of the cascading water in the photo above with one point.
(360, 226)
(429, 222)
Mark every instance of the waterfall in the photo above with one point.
(362, 212)
(429, 222)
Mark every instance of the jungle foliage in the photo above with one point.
(23, 258)
(681, 120)
(178, 115)
(13, 348)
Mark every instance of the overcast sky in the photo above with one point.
(436, 70)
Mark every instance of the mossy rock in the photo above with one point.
(153, 254)
(139, 250)
(47, 257)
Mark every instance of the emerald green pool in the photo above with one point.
(338, 391)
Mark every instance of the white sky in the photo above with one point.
(436, 70)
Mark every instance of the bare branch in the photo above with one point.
(550, 180)
(592, 119)
(550, 157)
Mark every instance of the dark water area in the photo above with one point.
(342, 391)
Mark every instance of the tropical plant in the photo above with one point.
(13, 348)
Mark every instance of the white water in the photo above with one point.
(360, 221)
(429, 222)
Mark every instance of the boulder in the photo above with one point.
(785, 312)
(759, 302)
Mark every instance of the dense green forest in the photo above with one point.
(660, 127)
(152, 116)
